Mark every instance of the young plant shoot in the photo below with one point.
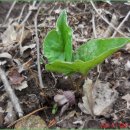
(57, 48)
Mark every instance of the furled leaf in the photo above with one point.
(99, 49)
(88, 56)
(58, 43)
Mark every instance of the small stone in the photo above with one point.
(31, 122)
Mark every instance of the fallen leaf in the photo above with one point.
(25, 50)
(127, 98)
(5, 55)
(4, 58)
(88, 98)
(127, 47)
(15, 77)
(127, 66)
(13, 35)
(22, 86)
(99, 100)
(104, 98)
(9, 36)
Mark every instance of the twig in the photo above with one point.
(93, 25)
(38, 50)
(11, 93)
(93, 5)
(40, 109)
(29, 13)
(21, 13)
(110, 30)
(10, 10)
(126, 17)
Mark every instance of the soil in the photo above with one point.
(33, 97)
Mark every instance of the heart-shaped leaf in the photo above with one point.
(88, 56)
(58, 42)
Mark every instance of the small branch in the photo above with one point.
(126, 17)
(29, 13)
(110, 30)
(93, 5)
(11, 93)
(21, 13)
(10, 10)
(38, 50)
(93, 25)
(35, 111)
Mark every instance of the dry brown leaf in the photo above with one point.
(15, 77)
(24, 49)
(104, 98)
(22, 86)
(127, 65)
(13, 34)
(87, 98)
(127, 98)
(99, 99)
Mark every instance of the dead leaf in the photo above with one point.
(127, 47)
(127, 98)
(99, 100)
(104, 98)
(127, 66)
(15, 77)
(22, 86)
(88, 98)
(9, 36)
(25, 50)
(13, 34)
(24, 66)
(5, 55)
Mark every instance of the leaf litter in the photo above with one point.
(22, 54)
(98, 98)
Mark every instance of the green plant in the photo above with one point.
(57, 47)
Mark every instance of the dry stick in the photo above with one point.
(11, 93)
(95, 36)
(126, 17)
(10, 10)
(110, 30)
(29, 13)
(38, 50)
(21, 13)
(40, 109)
(93, 5)
(94, 27)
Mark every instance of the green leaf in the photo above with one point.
(88, 56)
(58, 42)
(96, 49)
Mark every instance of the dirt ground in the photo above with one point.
(113, 70)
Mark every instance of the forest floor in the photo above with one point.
(18, 45)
